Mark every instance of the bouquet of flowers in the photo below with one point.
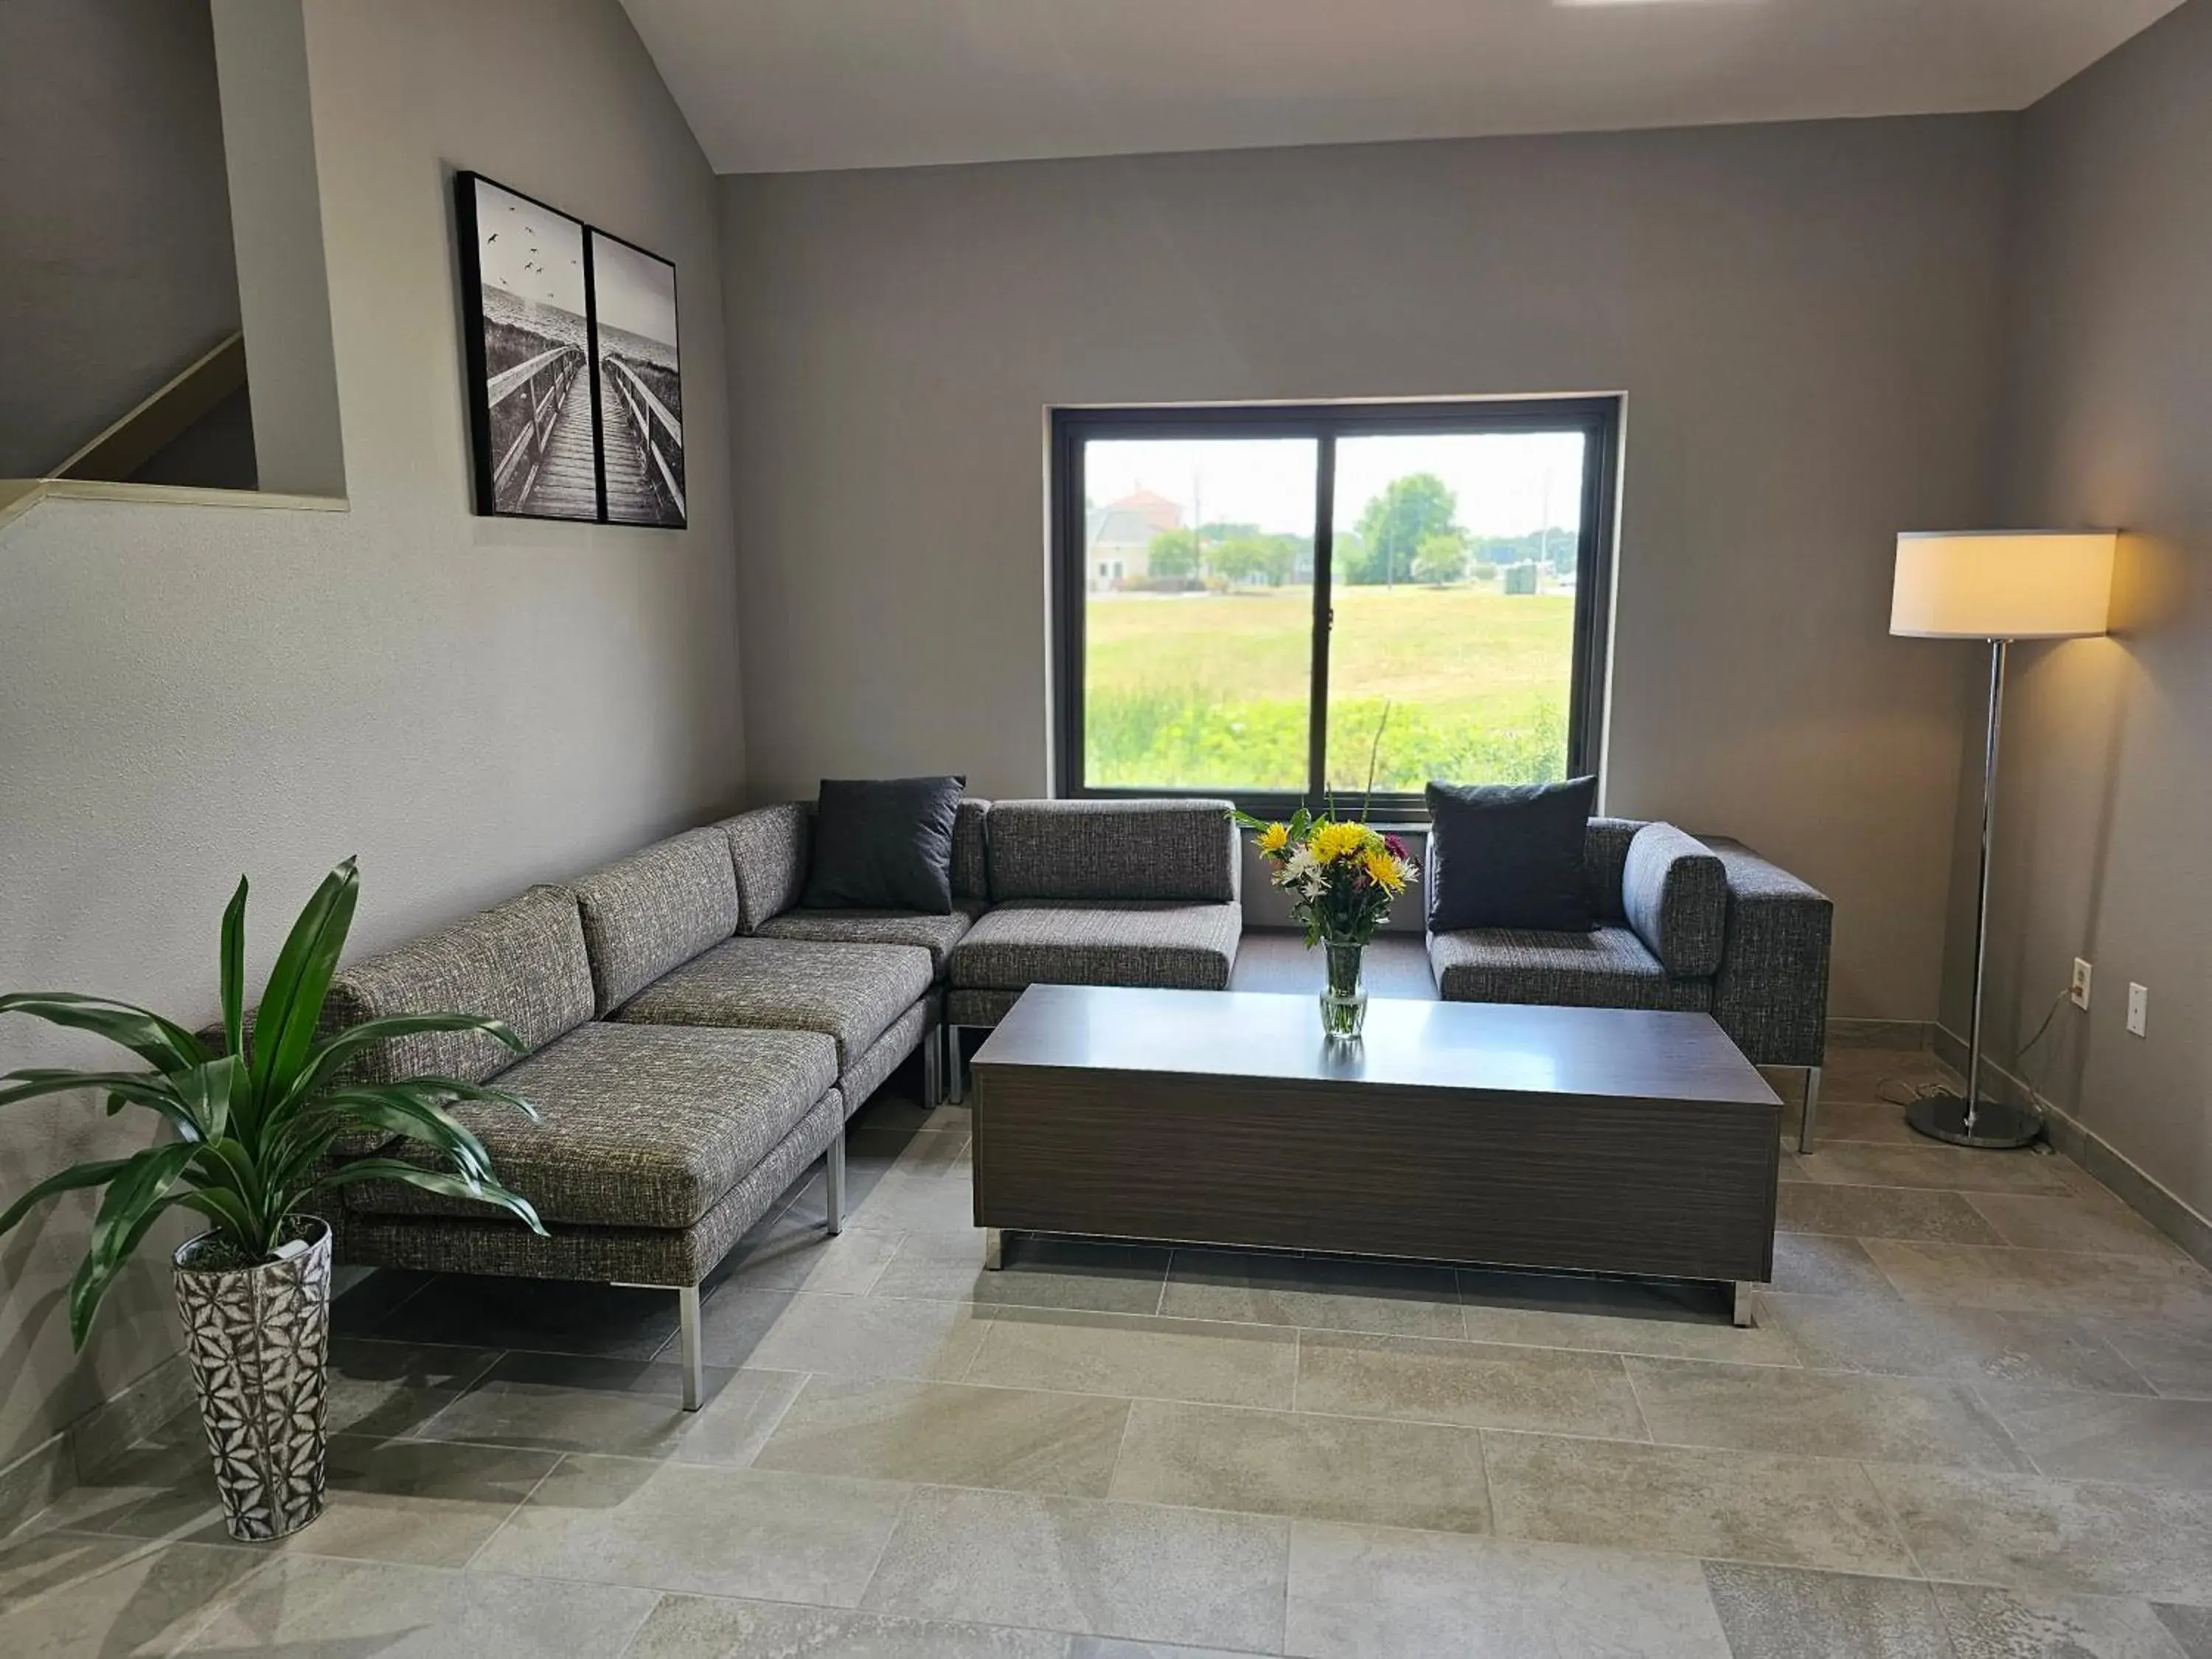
(1343, 874)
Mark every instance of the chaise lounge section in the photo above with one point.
(1705, 926)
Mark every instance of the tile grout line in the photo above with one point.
(559, 1458)
(883, 1549)
(2004, 1428)
(1896, 1526)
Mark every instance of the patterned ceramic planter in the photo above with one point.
(256, 1338)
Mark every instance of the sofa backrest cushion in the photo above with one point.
(523, 961)
(655, 910)
(1112, 849)
(1605, 855)
(971, 869)
(768, 849)
(1674, 891)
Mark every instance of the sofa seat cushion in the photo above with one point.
(642, 1126)
(935, 934)
(1607, 967)
(849, 993)
(1036, 942)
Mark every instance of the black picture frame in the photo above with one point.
(548, 375)
(640, 375)
(534, 449)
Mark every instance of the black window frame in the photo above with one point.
(1597, 418)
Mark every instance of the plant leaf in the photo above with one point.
(160, 1043)
(141, 1183)
(95, 1275)
(437, 1181)
(293, 1005)
(325, 1063)
(206, 1092)
(431, 1125)
(233, 971)
(148, 1089)
(78, 1176)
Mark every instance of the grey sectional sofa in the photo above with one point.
(695, 1039)
(1706, 926)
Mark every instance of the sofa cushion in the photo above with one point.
(642, 1126)
(1605, 968)
(628, 1256)
(1508, 855)
(655, 910)
(1674, 891)
(935, 934)
(1113, 850)
(884, 843)
(1606, 842)
(768, 851)
(523, 961)
(1029, 942)
(849, 993)
(971, 868)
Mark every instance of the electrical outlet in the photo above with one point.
(2080, 991)
(2138, 1008)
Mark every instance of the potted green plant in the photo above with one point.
(248, 1139)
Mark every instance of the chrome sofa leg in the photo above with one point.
(834, 1179)
(955, 1089)
(695, 1370)
(1812, 1108)
(932, 1069)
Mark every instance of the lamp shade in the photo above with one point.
(2003, 585)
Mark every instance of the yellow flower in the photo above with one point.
(1384, 870)
(1274, 837)
(1336, 841)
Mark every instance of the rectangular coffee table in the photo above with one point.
(1600, 1140)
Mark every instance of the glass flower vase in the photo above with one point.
(1344, 999)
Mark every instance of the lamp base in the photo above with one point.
(1996, 1124)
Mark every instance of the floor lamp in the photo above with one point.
(1998, 585)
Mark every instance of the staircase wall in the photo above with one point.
(116, 265)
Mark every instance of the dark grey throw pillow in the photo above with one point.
(884, 844)
(1508, 855)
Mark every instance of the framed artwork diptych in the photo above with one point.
(575, 377)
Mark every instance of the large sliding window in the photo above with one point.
(1271, 602)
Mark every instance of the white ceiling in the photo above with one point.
(773, 86)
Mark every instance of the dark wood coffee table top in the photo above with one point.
(1471, 1048)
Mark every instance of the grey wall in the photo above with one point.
(469, 704)
(2106, 782)
(1803, 319)
(115, 254)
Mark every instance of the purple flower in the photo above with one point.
(1397, 848)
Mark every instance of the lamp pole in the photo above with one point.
(1974, 1121)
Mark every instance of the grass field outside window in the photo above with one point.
(1207, 689)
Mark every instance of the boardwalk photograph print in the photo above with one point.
(526, 293)
(640, 384)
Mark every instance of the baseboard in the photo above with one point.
(2137, 1188)
(1849, 1032)
(93, 1442)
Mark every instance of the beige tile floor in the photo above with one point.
(1975, 1420)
